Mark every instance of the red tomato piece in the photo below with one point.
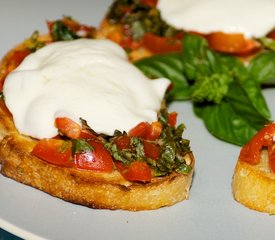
(123, 142)
(68, 127)
(151, 150)
(264, 138)
(232, 43)
(55, 151)
(137, 171)
(271, 34)
(98, 158)
(157, 44)
(150, 3)
(87, 135)
(140, 130)
(154, 131)
(172, 119)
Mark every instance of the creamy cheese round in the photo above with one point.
(89, 79)
(253, 18)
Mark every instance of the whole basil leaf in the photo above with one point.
(262, 68)
(223, 122)
(234, 120)
(240, 101)
(254, 92)
(168, 66)
(195, 60)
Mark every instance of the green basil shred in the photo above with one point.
(173, 149)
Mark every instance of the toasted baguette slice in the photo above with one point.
(89, 188)
(254, 185)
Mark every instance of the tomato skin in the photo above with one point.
(250, 153)
(137, 171)
(55, 151)
(234, 43)
(271, 34)
(85, 134)
(151, 150)
(140, 130)
(150, 3)
(98, 159)
(146, 131)
(68, 127)
(157, 44)
(123, 142)
(154, 131)
(172, 118)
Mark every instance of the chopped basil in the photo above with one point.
(173, 149)
(139, 19)
(80, 146)
(60, 32)
(33, 43)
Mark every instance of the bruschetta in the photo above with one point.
(146, 166)
(253, 182)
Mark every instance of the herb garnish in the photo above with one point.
(139, 19)
(226, 92)
(173, 149)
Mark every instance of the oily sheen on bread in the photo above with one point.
(253, 183)
(85, 187)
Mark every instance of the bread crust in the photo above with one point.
(254, 185)
(89, 188)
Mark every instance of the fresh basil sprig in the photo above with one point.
(226, 93)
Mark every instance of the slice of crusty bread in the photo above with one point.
(254, 185)
(93, 189)
(89, 188)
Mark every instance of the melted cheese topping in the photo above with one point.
(91, 79)
(253, 18)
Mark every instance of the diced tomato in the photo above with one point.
(157, 44)
(68, 127)
(140, 130)
(232, 43)
(55, 151)
(87, 134)
(137, 171)
(154, 131)
(98, 158)
(123, 142)
(151, 150)
(150, 3)
(271, 34)
(264, 138)
(128, 42)
(172, 119)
